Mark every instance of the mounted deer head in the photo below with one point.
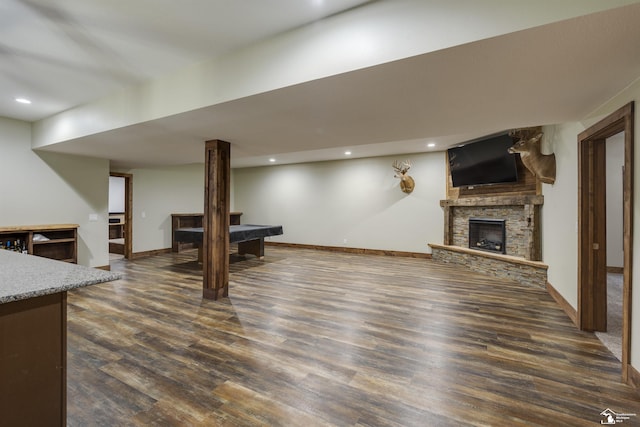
(543, 166)
(406, 182)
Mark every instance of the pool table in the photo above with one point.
(249, 237)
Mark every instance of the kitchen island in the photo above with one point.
(33, 335)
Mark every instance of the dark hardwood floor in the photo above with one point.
(312, 338)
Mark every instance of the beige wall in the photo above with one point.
(159, 192)
(50, 188)
(317, 203)
(352, 203)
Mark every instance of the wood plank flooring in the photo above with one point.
(312, 338)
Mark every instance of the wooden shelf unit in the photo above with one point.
(116, 226)
(116, 231)
(62, 244)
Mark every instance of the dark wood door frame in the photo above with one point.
(128, 211)
(592, 225)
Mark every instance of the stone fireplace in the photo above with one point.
(521, 215)
(518, 217)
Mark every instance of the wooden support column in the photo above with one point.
(215, 262)
(448, 224)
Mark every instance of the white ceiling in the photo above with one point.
(69, 52)
(64, 53)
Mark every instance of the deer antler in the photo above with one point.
(525, 133)
(403, 167)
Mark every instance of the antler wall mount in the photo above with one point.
(407, 184)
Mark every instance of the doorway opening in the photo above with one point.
(592, 226)
(612, 337)
(120, 216)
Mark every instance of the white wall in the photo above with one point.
(356, 200)
(560, 211)
(51, 188)
(159, 192)
(559, 225)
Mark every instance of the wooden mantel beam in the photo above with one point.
(494, 201)
(215, 262)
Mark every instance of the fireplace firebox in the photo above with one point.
(488, 235)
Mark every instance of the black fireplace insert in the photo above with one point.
(488, 235)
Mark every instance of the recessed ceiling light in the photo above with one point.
(431, 144)
(347, 153)
(23, 101)
(272, 160)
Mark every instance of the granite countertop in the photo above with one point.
(26, 276)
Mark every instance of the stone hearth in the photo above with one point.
(532, 273)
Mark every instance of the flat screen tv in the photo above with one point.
(482, 162)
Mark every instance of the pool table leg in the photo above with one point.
(253, 247)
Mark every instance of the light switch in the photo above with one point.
(93, 217)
